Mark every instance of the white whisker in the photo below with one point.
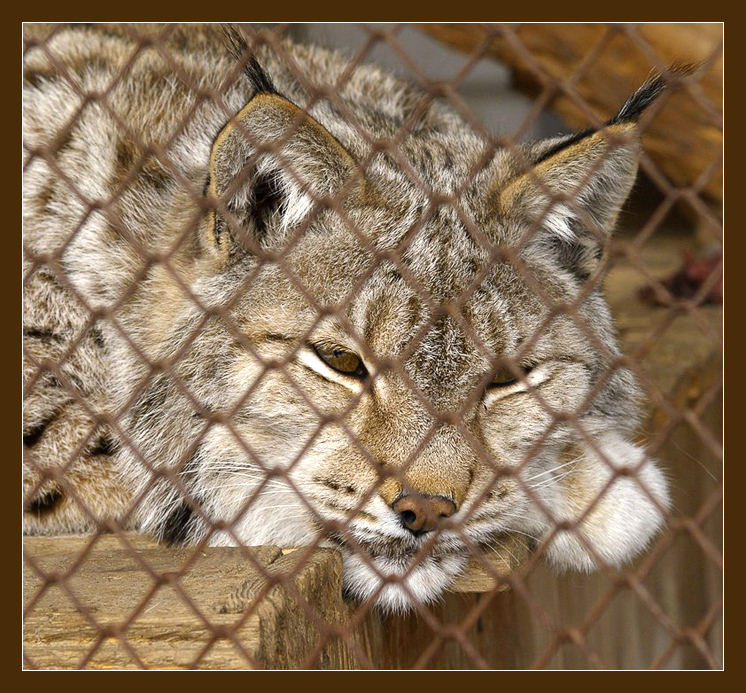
(549, 471)
(264, 492)
(548, 482)
(503, 548)
(525, 534)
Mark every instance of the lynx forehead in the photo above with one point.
(400, 275)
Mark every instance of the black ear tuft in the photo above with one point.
(259, 79)
(631, 110)
(240, 50)
(647, 93)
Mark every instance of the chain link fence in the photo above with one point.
(401, 453)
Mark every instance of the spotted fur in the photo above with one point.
(369, 263)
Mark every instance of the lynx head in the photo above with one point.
(413, 356)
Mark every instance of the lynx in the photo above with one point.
(298, 314)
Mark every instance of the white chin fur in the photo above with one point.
(425, 582)
(623, 522)
(620, 526)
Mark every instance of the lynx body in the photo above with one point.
(418, 379)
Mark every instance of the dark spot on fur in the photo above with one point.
(35, 78)
(154, 174)
(98, 338)
(51, 380)
(497, 493)
(45, 335)
(45, 502)
(125, 158)
(175, 528)
(46, 275)
(219, 230)
(577, 268)
(103, 446)
(334, 506)
(75, 380)
(181, 525)
(278, 338)
(33, 434)
(125, 155)
(46, 196)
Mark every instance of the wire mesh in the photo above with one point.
(88, 425)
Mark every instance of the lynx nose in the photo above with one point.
(421, 513)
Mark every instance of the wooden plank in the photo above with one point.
(167, 631)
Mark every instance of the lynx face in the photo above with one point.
(366, 337)
(424, 384)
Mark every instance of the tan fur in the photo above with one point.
(590, 150)
(325, 241)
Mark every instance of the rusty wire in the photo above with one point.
(632, 578)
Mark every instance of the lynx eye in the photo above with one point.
(504, 376)
(341, 360)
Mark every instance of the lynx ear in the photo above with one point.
(572, 195)
(577, 184)
(269, 165)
